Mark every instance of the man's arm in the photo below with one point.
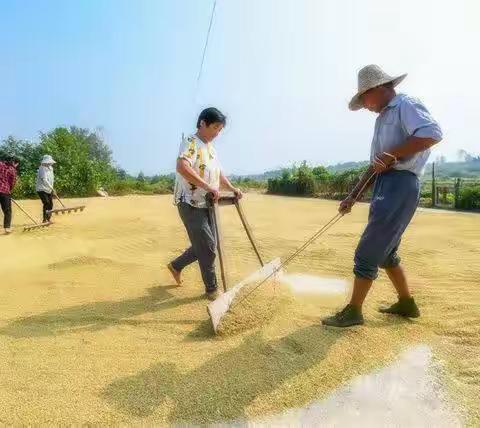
(423, 132)
(225, 183)
(412, 146)
(186, 171)
(384, 162)
(362, 186)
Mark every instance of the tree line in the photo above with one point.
(318, 181)
(84, 165)
(305, 180)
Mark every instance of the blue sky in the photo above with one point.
(282, 70)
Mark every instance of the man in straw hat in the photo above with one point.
(44, 185)
(403, 135)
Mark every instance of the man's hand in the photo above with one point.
(361, 187)
(346, 205)
(215, 193)
(237, 192)
(383, 162)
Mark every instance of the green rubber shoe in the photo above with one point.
(404, 307)
(349, 316)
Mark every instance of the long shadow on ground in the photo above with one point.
(95, 316)
(222, 388)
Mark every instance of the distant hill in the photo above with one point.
(455, 169)
(261, 177)
(341, 167)
(470, 169)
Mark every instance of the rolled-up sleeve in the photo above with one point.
(418, 122)
(188, 150)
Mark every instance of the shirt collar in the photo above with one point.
(201, 141)
(394, 101)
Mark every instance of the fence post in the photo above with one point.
(434, 193)
(457, 192)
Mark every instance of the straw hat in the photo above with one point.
(48, 160)
(370, 77)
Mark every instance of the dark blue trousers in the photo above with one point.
(394, 202)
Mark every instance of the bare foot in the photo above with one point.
(177, 276)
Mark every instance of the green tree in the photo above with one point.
(97, 149)
(321, 173)
(305, 179)
(29, 154)
(121, 174)
(80, 170)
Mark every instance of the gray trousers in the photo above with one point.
(202, 237)
(394, 202)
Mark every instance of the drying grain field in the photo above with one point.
(93, 330)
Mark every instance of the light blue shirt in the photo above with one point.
(404, 117)
(45, 179)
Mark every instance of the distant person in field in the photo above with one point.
(8, 178)
(198, 173)
(44, 186)
(403, 135)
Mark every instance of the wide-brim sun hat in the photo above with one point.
(48, 160)
(370, 77)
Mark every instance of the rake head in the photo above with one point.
(67, 210)
(36, 226)
(219, 307)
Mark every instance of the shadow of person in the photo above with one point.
(203, 331)
(222, 388)
(94, 316)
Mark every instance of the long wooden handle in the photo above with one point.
(24, 212)
(248, 229)
(217, 229)
(58, 199)
(307, 243)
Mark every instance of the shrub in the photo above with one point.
(469, 198)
